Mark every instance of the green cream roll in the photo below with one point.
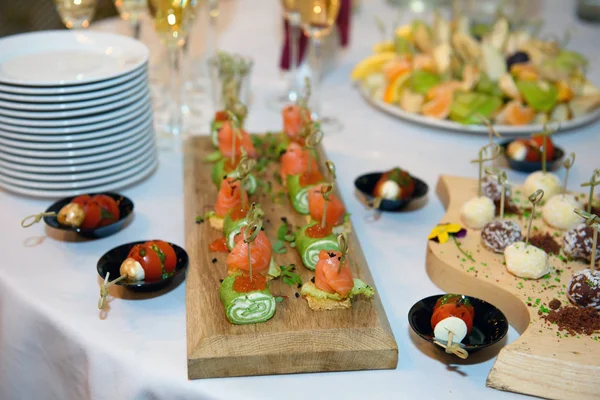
(215, 126)
(309, 248)
(218, 173)
(298, 194)
(232, 228)
(246, 308)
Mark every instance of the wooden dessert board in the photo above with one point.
(296, 339)
(540, 362)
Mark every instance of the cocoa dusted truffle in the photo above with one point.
(584, 289)
(578, 242)
(492, 189)
(498, 235)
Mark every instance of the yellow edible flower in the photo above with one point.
(442, 232)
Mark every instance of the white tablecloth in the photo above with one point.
(54, 344)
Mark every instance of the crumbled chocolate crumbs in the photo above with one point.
(545, 242)
(554, 304)
(575, 320)
(509, 208)
(214, 260)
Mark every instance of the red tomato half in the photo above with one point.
(93, 215)
(170, 257)
(452, 310)
(81, 200)
(109, 207)
(149, 259)
(537, 142)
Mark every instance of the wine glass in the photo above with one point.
(292, 16)
(317, 19)
(172, 20)
(130, 10)
(76, 14)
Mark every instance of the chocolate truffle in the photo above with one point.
(584, 289)
(526, 261)
(558, 212)
(477, 212)
(492, 189)
(548, 182)
(577, 243)
(498, 235)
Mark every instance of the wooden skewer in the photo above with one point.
(494, 150)
(534, 198)
(594, 221)
(568, 163)
(35, 218)
(344, 247)
(326, 192)
(453, 348)
(593, 182)
(104, 288)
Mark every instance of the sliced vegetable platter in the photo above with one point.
(297, 339)
(456, 75)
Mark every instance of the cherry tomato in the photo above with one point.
(170, 259)
(93, 215)
(221, 116)
(81, 200)
(453, 299)
(452, 310)
(149, 259)
(402, 178)
(537, 143)
(109, 209)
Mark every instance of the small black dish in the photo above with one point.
(125, 206)
(532, 166)
(112, 260)
(365, 184)
(489, 325)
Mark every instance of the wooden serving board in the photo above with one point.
(296, 339)
(542, 361)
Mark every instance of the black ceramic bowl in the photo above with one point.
(125, 206)
(532, 166)
(366, 185)
(489, 324)
(111, 262)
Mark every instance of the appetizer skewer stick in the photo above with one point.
(494, 152)
(546, 133)
(502, 179)
(568, 164)
(344, 247)
(593, 182)
(453, 348)
(250, 234)
(326, 192)
(535, 198)
(242, 172)
(314, 138)
(35, 218)
(594, 221)
(104, 288)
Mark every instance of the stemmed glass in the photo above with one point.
(130, 11)
(292, 16)
(172, 20)
(76, 14)
(317, 18)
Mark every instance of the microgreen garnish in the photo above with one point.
(288, 275)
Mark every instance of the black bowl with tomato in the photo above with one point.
(529, 159)
(106, 213)
(111, 262)
(368, 185)
(489, 323)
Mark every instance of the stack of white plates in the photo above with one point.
(75, 113)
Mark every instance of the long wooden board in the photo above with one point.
(296, 339)
(541, 362)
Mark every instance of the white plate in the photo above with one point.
(68, 57)
(118, 117)
(125, 107)
(108, 187)
(76, 153)
(122, 92)
(505, 130)
(120, 128)
(75, 177)
(86, 92)
(63, 146)
(54, 116)
(137, 153)
(86, 183)
(74, 161)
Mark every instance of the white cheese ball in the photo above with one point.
(558, 212)
(451, 324)
(389, 190)
(71, 214)
(548, 182)
(526, 261)
(132, 269)
(477, 212)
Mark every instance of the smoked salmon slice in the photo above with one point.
(292, 121)
(229, 197)
(260, 253)
(295, 161)
(316, 204)
(328, 276)
(242, 140)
